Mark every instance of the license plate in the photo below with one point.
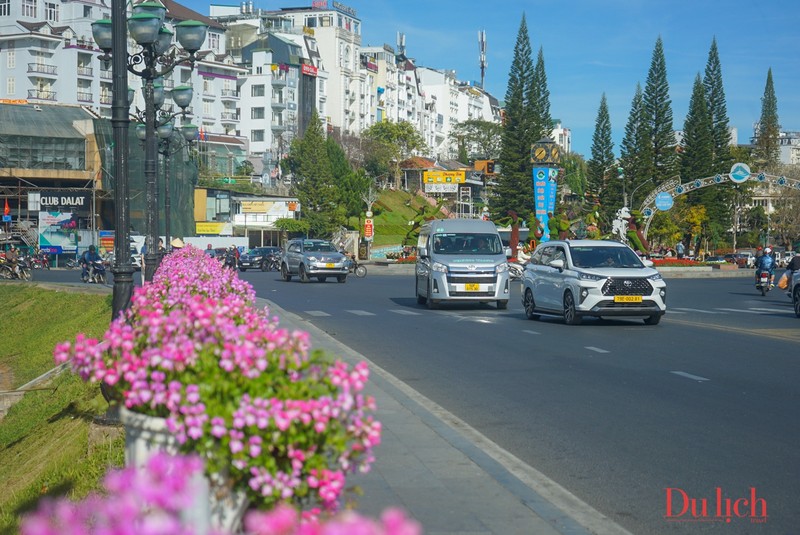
(329, 265)
(627, 298)
(472, 287)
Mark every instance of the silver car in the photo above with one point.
(313, 258)
(578, 278)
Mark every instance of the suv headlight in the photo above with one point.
(313, 259)
(437, 266)
(501, 268)
(589, 276)
(656, 277)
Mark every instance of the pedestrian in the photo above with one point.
(177, 244)
(680, 249)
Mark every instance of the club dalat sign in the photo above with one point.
(64, 201)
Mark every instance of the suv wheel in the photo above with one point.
(796, 300)
(301, 271)
(285, 275)
(652, 320)
(530, 305)
(571, 316)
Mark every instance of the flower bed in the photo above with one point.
(676, 262)
(285, 424)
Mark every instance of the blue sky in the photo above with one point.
(592, 47)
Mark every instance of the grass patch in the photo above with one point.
(393, 210)
(48, 443)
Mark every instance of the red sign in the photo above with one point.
(369, 228)
(308, 69)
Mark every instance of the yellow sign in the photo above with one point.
(444, 177)
(255, 207)
(208, 227)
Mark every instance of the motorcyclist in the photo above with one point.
(791, 268)
(231, 257)
(88, 256)
(766, 262)
(12, 257)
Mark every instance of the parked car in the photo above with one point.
(740, 259)
(257, 258)
(313, 258)
(578, 278)
(715, 260)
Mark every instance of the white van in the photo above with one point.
(461, 260)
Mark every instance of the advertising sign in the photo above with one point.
(441, 188)
(65, 201)
(444, 177)
(308, 69)
(208, 227)
(369, 228)
(255, 207)
(544, 196)
(58, 232)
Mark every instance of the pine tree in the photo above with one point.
(601, 166)
(514, 190)
(539, 100)
(767, 151)
(658, 109)
(697, 146)
(717, 108)
(635, 153)
(315, 187)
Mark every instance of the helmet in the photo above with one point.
(768, 250)
(91, 248)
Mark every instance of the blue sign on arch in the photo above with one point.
(664, 201)
(740, 172)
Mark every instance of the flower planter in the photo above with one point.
(214, 505)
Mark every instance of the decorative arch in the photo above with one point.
(675, 188)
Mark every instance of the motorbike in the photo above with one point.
(95, 273)
(23, 271)
(763, 282)
(515, 270)
(272, 262)
(40, 261)
(359, 270)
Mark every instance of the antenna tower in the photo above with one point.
(482, 52)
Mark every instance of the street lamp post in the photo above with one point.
(167, 147)
(146, 27)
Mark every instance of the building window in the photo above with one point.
(257, 113)
(5, 8)
(87, 12)
(208, 108)
(256, 135)
(51, 11)
(213, 41)
(29, 8)
(11, 86)
(311, 22)
(11, 57)
(257, 91)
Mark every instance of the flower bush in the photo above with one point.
(675, 262)
(155, 500)
(285, 424)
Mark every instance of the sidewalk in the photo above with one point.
(445, 474)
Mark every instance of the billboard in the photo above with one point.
(58, 232)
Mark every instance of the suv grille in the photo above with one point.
(627, 286)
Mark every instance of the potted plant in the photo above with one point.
(270, 418)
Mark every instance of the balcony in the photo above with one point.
(43, 68)
(105, 74)
(85, 71)
(278, 82)
(230, 94)
(278, 103)
(229, 117)
(41, 94)
(85, 96)
(105, 99)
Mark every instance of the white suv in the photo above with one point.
(579, 278)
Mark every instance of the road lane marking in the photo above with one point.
(740, 310)
(531, 332)
(773, 310)
(790, 335)
(405, 312)
(690, 376)
(698, 310)
(316, 313)
(360, 312)
(596, 349)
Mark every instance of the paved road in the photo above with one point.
(614, 411)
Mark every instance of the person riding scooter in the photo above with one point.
(87, 258)
(766, 263)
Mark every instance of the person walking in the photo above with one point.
(680, 249)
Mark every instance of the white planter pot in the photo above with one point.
(214, 506)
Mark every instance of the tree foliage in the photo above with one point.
(658, 113)
(539, 102)
(635, 149)
(602, 166)
(479, 138)
(767, 149)
(717, 109)
(393, 143)
(352, 185)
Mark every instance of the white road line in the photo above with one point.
(690, 376)
(740, 310)
(317, 313)
(673, 311)
(699, 310)
(596, 349)
(771, 310)
(531, 332)
(405, 312)
(360, 312)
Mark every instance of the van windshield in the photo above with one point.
(457, 244)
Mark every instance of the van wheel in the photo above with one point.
(322, 279)
(432, 304)
(571, 316)
(420, 300)
(502, 305)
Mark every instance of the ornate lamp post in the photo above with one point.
(156, 59)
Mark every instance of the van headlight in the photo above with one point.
(501, 268)
(438, 266)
